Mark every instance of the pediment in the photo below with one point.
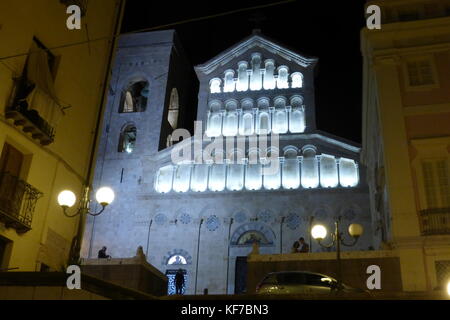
(250, 43)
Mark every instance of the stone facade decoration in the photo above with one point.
(218, 210)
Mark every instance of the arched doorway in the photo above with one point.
(241, 245)
(175, 263)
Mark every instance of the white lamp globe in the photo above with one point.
(67, 199)
(448, 288)
(105, 196)
(355, 230)
(319, 232)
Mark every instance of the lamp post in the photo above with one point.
(319, 233)
(67, 199)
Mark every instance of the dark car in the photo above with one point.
(302, 282)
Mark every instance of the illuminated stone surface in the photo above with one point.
(166, 205)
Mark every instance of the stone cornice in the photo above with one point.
(252, 42)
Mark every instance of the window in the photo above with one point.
(246, 127)
(318, 280)
(297, 80)
(11, 160)
(214, 85)
(174, 109)
(283, 75)
(11, 188)
(436, 181)
(215, 125)
(251, 237)
(263, 123)
(134, 97)
(420, 72)
(127, 141)
(442, 272)
(177, 260)
(35, 105)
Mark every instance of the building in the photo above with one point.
(406, 136)
(203, 213)
(51, 94)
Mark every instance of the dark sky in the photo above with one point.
(327, 29)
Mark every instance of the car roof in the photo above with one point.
(299, 272)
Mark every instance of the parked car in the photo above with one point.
(302, 282)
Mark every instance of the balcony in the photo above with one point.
(435, 221)
(17, 202)
(31, 122)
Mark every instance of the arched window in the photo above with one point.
(177, 260)
(242, 84)
(214, 85)
(251, 237)
(215, 125)
(230, 85)
(263, 123)
(328, 171)
(269, 78)
(291, 169)
(246, 127)
(127, 141)
(134, 97)
(310, 168)
(297, 80)
(280, 122)
(283, 77)
(174, 109)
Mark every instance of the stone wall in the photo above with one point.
(52, 286)
(131, 273)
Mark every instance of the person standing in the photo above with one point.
(179, 282)
(304, 247)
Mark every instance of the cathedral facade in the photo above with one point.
(256, 170)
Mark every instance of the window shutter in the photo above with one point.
(444, 182)
(429, 184)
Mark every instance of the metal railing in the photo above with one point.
(17, 202)
(435, 221)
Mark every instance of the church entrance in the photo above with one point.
(240, 280)
(170, 274)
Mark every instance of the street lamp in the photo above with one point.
(319, 233)
(448, 288)
(67, 199)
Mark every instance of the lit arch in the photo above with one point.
(134, 96)
(174, 109)
(243, 235)
(127, 139)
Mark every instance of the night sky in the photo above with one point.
(328, 30)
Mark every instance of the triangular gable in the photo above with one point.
(254, 41)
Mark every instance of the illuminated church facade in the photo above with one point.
(257, 169)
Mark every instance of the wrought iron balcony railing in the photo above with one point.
(435, 221)
(17, 202)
